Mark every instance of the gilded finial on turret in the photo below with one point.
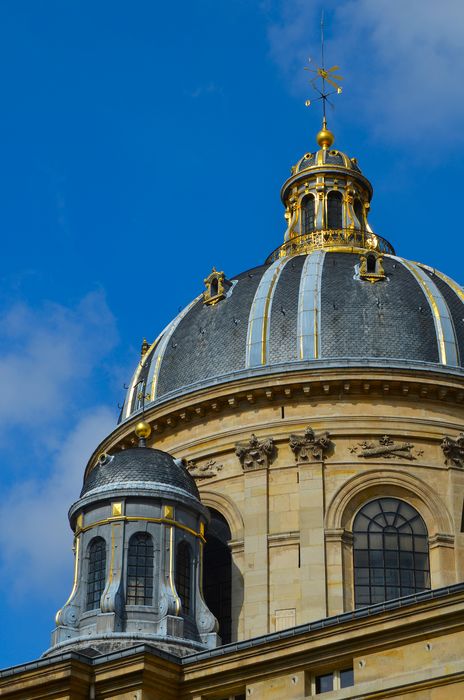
(325, 138)
(143, 431)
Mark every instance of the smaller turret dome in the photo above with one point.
(141, 464)
(325, 157)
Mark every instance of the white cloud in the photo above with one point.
(46, 353)
(35, 540)
(403, 62)
(51, 423)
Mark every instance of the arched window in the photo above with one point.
(217, 574)
(214, 287)
(307, 214)
(391, 553)
(334, 210)
(96, 575)
(140, 570)
(359, 212)
(183, 577)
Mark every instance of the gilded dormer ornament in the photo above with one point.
(216, 287)
(371, 268)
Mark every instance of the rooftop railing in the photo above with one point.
(346, 238)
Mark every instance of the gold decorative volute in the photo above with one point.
(216, 287)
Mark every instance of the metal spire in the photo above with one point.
(329, 75)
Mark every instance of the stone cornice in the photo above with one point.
(331, 383)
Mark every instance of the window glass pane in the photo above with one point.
(392, 577)
(363, 596)
(360, 541)
(392, 558)
(324, 683)
(421, 561)
(392, 592)
(421, 544)
(407, 577)
(346, 678)
(361, 558)
(391, 540)
(362, 576)
(377, 594)
(376, 558)
(375, 541)
(377, 577)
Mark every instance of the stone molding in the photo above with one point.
(371, 484)
(227, 508)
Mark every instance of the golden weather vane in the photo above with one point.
(327, 75)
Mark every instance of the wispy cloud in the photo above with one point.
(402, 62)
(206, 89)
(35, 542)
(50, 425)
(45, 354)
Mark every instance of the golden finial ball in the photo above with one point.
(325, 138)
(142, 430)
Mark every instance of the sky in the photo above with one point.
(142, 143)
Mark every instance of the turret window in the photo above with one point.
(96, 575)
(183, 576)
(307, 214)
(140, 570)
(217, 573)
(391, 553)
(334, 210)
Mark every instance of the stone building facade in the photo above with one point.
(300, 434)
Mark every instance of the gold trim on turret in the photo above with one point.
(134, 518)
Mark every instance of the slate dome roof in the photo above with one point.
(325, 157)
(306, 312)
(140, 464)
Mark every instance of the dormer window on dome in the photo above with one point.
(216, 287)
(371, 268)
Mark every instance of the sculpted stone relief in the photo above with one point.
(386, 447)
(203, 471)
(255, 454)
(308, 446)
(259, 454)
(453, 450)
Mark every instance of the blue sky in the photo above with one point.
(140, 144)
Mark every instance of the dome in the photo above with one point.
(306, 312)
(323, 158)
(139, 464)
